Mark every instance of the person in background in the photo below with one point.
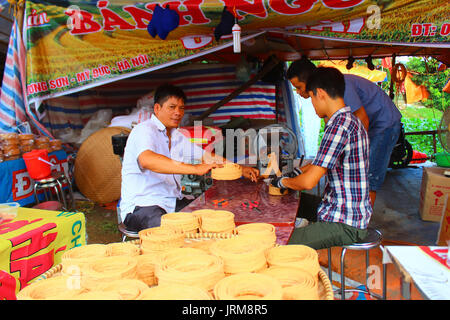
(345, 210)
(156, 155)
(372, 106)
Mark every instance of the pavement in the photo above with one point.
(396, 210)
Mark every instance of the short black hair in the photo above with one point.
(331, 80)
(165, 91)
(301, 69)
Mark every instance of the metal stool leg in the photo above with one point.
(62, 194)
(46, 195)
(65, 179)
(330, 271)
(367, 289)
(38, 187)
(55, 188)
(384, 281)
(344, 250)
(35, 193)
(72, 201)
(384, 273)
(367, 271)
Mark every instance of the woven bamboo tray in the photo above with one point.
(97, 169)
(325, 287)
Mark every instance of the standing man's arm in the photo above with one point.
(353, 100)
(362, 115)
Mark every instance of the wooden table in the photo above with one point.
(280, 211)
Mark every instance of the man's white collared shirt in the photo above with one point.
(142, 187)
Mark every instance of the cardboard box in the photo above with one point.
(435, 186)
(444, 228)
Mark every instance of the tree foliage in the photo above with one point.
(425, 72)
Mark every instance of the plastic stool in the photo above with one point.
(49, 205)
(55, 182)
(122, 228)
(373, 240)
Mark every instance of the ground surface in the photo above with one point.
(101, 222)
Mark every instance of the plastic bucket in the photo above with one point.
(37, 163)
(442, 159)
(8, 211)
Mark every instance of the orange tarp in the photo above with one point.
(372, 75)
(447, 87)
(414, 92)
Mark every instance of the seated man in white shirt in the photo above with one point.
(153, 163)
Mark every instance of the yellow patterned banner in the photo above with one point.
(33, 242)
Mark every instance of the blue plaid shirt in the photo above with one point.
(344, 151)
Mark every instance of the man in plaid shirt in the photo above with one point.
(345, 210)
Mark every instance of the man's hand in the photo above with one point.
(250, 173)
(277, 182)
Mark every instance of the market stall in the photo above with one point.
(95, 55)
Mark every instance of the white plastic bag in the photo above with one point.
(68, 135)
(99, 120)
(146, 101)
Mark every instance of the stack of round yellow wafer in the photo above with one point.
(186, 221)
(128, 289)
(229, 171)
(298, 256)
(145, 269)
(57, 288)
(274, 191)
(74, 260)
(219, 221)
(248, 286)
(175, 292)
(260, 231)
(107, 269)
(203, 245)
(297, 284)
(189, 266)
(122, 249)
(97, 295)
(160, 239)
(241, 254)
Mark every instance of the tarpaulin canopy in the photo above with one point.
(73, 45)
